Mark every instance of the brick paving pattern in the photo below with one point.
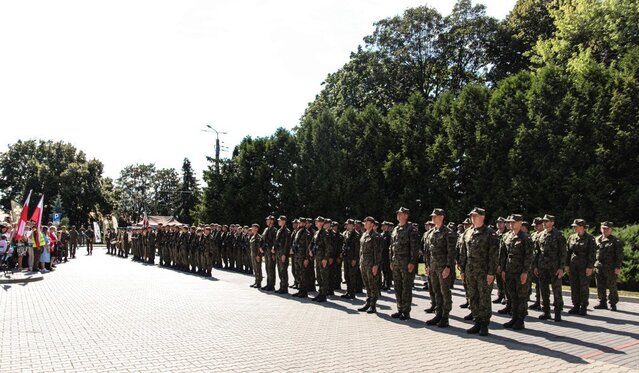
(107, 314)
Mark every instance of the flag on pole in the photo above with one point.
(22, 223)
(145, 221)
(37, 217)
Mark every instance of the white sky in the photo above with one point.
(132, 81)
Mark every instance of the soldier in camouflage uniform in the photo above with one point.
(386, 276)
(426, 255)
(404, 250)
(294, 269)
(440, 252)
(515, 265)
(581, 253)
(461, 230)
(351, 256)
(152, 236)
(538, 227)
(301, 255)
(609, 257)
(479, 256)
(282, 247)
(255, 246)
(336, 269)
(370, 258)
(322, 252)
(549, 262)
(500, 224)
(268, 237)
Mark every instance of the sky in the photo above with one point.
(136, 81)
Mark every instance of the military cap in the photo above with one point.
(403, 210)
(295, 221)
(525, 223)
(537, 221)
(376, 222)
(255, 225)
(607, 224)
(207, 227)
(73, 227)
(199, 230)
(514, 217)
(369, 218)
(358, 222)
(578, 223)
(282, 217)
(452, 225)
(321, 219)
(501, 220)
(335, 224)
(350, 221)
(270, 217)
(548, 218)
(328, 221)
(477, 211)
(438, 212)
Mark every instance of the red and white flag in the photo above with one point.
(145, 221)
(37, 217)
(22, 222)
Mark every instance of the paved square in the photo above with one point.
(108, 314)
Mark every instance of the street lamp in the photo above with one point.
(217, 146)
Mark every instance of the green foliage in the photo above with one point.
(54, 169)
(629, 277)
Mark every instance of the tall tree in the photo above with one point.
(190, 193)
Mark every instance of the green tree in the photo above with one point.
(189, 193)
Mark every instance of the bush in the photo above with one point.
(629, 278)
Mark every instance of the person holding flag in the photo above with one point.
(38, 239)
(20, 236)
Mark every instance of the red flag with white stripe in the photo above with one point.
(22, 222)
(37, 217)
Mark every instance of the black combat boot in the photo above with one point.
(373, 308)
(475, 328)
(321, 299)
(583, 310)
(510, 323)
(601, 306)
(483, 330)
(468, 317)
(499, 299)
(557, 315)
(613, 307)
(465, 305)
(396, 315)
(545, 315)
(345, 296)
(519, 324)
(253, 285)
(405, 316)
(505, 311)
(574, 310)
(443, 323)
(431, 309)
(435, 320)
(535, 306)
(302, 295)
(365, 307)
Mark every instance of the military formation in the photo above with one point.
(370, 256)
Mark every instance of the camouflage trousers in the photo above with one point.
(501, 286)
(478, 293)
(517, 295)
(306, 278)
(370, 282)
(297, 270)
(282, 272)
(440, 286)
(387, 274)
(336, 274)
(579, 282)
(431, 289)
(271, 263)
(352, 274)
(257, 266)
(547, 279)
(403, 284)
(606, 281)
(151, 255)
(323, 276)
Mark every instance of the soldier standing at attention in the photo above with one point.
(479, 257)
(282, 249)
(500, 224)
(370, 257)
(429, 284)
(255, 246)
(73, 241)
(461, 230)
(294, 269)
(90, 236)
(515, 266)
(404, 250)
(351, 256)
(439, 246)
(321, 251)
(581, 251)
(538, 229)
(386, 275)
(609, 257)
(268, 237)
(302, 258)
(549, 262)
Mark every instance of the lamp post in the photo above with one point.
(217, 146)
